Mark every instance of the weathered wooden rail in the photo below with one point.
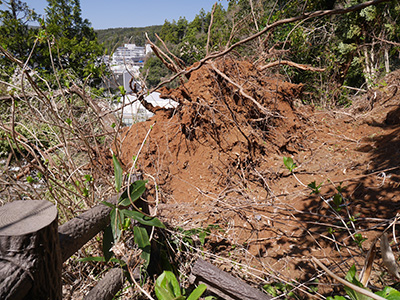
(33, 249)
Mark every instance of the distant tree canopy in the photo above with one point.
(16, 36)
(115, 37)
(63, 41)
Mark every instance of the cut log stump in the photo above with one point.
(30, 256)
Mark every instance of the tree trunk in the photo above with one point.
(30, 260)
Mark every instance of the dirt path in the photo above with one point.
(218, 160)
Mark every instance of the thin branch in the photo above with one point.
(179, 61)
(209, 28)
(241, 90)
(292, 64)
(160, 54)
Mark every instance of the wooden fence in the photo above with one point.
(33, 249)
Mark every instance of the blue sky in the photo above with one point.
(105, 14)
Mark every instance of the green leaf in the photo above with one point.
(351, 276)
(202, 237)
(122, 90)
(337, 200)
(117, 173)
(288, 162)
(167, 286)
(116, 219)
(136, 190)
(196, 294)
(108, 204)
(107, 243)
(270, 290)
(142, 240)
(163, 294)
(336, 298)
(389, 293)
(314, 187)
(143, 219)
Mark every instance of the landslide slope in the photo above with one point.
(217, 159)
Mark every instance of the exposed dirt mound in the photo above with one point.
(217, 159)
(216, 131)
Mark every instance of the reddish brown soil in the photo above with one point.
(218, 160)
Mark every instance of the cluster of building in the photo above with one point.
(125, 64)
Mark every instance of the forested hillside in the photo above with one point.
(116, 37)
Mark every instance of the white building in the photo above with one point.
(130, 54)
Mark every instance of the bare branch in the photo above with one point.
(160, 54)
(179, 61)
(209, 28)
(292, 64)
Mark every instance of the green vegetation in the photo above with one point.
(167, 288)
(356, 49)
(52, 120)
(64, 41)
(387, 292)
(115, 37)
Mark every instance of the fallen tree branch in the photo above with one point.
(224, 284)
(292, 64)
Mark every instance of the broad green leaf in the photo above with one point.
(143, 219)
(163, 293)
(389, 293)
(142, 240)
(107, 243)
(336, 298)
(117, 173)
(196, 294)
(136, 190)
(168, 285)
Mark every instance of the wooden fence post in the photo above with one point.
(30, 256)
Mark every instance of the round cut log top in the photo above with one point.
(24, 217)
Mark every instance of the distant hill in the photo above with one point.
(115, 37)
